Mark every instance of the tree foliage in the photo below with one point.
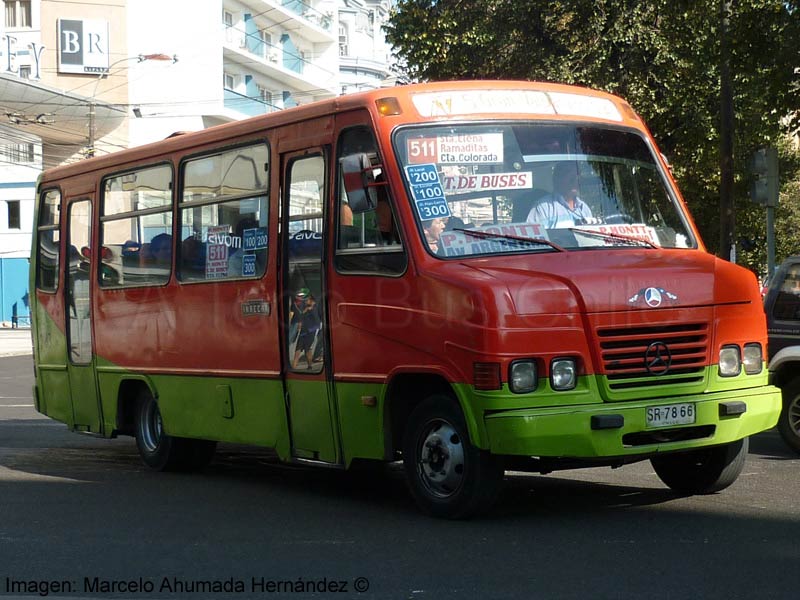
(663, 56)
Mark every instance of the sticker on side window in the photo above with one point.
(427, 192)
(462, 184)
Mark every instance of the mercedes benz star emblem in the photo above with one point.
(657, 359)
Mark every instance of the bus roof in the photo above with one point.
(421, 102)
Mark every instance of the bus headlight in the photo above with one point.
(563, 374)
(753, 359)
(522, 376)
(730, 361)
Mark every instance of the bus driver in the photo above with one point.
(562, 208)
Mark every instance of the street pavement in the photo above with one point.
(15, 342)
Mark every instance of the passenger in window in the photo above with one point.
(307, 317)
(385, 219)
(346, 215)
(562, 208)
(193, 257)
(433, 229)
(161, 249)
(348, 235)
(456, 223)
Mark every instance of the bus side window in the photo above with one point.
(367, 241)
(223, 215)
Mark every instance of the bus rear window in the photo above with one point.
(48, 248)
(136, 228)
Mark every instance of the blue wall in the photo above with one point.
(14, 299)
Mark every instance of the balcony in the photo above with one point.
(283, 65)
(245, 105)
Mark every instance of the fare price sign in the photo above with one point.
(249, 265)
(427, 192)
(254, 239)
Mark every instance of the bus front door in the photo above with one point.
(78, 306)
(310, 400)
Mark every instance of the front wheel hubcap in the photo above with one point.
(793, 415)
(441, 459)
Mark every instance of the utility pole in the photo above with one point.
(765, 190)
(91, 150)
(92, 128)
(727, 216)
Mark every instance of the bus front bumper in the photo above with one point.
(620, 429)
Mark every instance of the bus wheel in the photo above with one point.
(448, 476)
(702, 471)
(164, 452)
(157, 449)
(789, 421)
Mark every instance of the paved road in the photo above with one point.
(83, 514)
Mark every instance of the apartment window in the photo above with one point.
(265, 95)
(227, 19)
(363, 24)
(343, 44)
(229, 81)
(25, 153)
(17, 153)
(18, 13)
(25, 72)
(266, 42)
(13, 214)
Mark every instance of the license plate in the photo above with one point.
(669, 415)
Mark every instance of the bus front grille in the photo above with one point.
(647, 356)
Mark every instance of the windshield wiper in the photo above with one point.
(614, 236)
(503, 236)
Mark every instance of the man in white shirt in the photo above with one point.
(562, 208)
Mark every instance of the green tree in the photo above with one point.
(663, 56)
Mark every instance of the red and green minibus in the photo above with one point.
(472, 277)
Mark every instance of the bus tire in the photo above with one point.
(789, 421)
(164, 452)
(702, 471)
(157, 449)
(447, 475)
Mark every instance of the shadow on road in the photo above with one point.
(257, 473)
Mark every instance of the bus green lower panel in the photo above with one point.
(311, 420)
(567, 431)
(361, 422)
(55, 399)
(52, 379)
(243, 410)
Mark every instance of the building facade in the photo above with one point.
(89, 78)
(364, 56)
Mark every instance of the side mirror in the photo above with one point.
(358, 176)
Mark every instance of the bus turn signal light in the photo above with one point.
(486, 376)
(388, 106)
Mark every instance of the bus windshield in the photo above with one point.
(501, 188)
